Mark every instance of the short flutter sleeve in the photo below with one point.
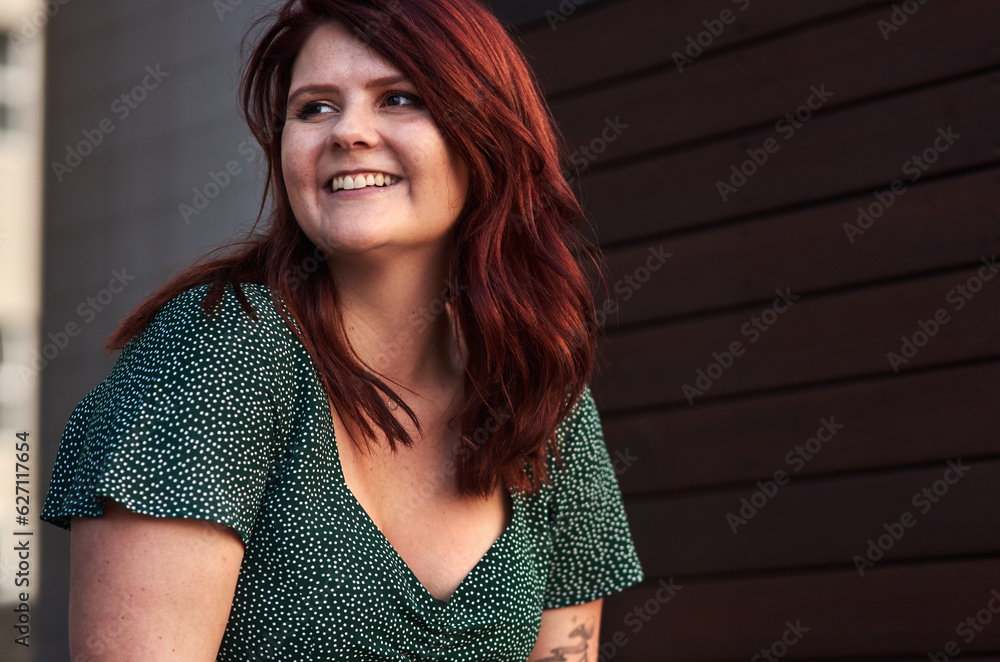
(593, 555)
(185, 425)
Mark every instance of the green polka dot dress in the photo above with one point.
(225, 419)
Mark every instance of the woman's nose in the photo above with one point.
(356, 127)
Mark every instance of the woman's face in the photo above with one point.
(364, 164)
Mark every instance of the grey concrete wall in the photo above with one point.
(116, 171)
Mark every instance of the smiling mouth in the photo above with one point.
(361, 181)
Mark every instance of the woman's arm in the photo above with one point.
(569, 634)
(150, 588)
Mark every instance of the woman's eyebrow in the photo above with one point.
(384, 81)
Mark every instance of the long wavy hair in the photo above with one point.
(523, 306)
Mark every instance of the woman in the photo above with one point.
(246, 485)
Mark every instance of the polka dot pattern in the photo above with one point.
(225, 419)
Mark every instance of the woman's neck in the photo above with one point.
(396, 318)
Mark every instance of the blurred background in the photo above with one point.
(21, 185)
(800, 206)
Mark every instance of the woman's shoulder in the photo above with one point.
(579, 441)
(245, 314)
(583, 420)
(227, 338)
(188, 309)
(193, 419)
(592, 553)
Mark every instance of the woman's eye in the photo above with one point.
(402, 99)
(312, 108)
(391, 99)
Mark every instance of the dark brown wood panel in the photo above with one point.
(583, 49)
(862, 521)
(890, 421)
(850, 150)
(897, 610)
(933, 225)
(652, 190)
(848, 58)
(823, 338)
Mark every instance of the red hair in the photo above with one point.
(524, 306)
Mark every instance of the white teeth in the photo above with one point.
(350, 182)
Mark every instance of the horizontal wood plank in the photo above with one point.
(582, 49)
(933, 225)
(890, 421)
(899, 610)
(848, 58)
(826, 337)
(850, 151)
(787, 521)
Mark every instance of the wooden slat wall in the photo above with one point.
(825, 357)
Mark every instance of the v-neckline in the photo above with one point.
(355, 503)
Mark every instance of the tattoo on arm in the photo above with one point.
(576, 652)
